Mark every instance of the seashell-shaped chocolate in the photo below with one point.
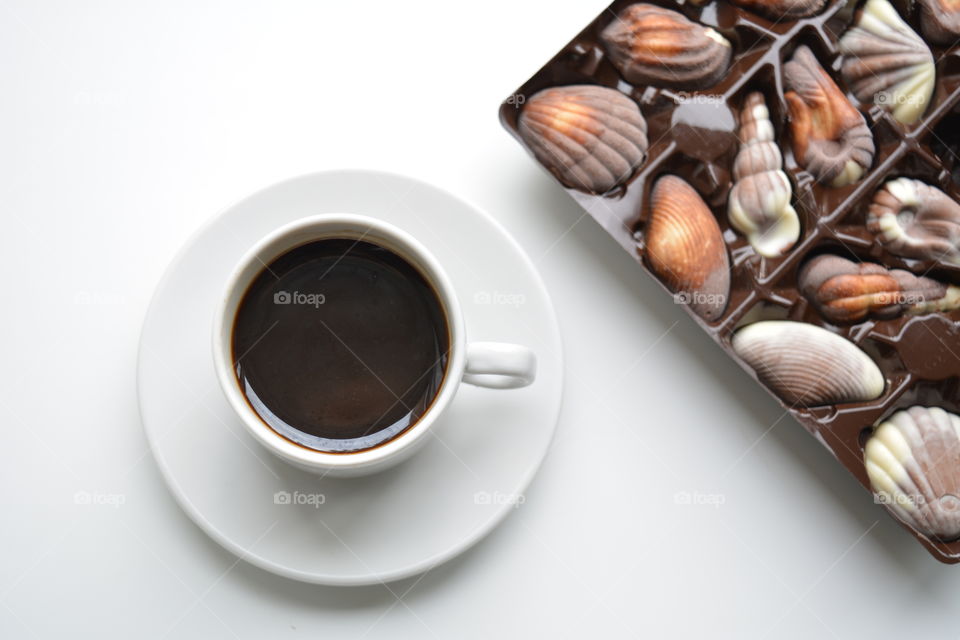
(915, 220)
(778, 10)
(913, 462)
(844, 291)
(591, 138)
(759, 203)
(831, 139)
(657, 46)
(685, 247)
(807, 366)
(886, 62)
(940, 21)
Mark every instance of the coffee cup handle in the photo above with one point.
(499, 365)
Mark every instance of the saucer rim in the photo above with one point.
(313, 577)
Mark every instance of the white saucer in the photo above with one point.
(368, 530)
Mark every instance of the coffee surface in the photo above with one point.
(340, 345)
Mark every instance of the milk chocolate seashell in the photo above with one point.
(831, 139)
(844, 291)
(913, 462)
(685, 247)
(940, 21)
(657, 46)
(807, 366)
(592, 138)
(886, 62)
(778, 10)
(759, 203)
(915, 220)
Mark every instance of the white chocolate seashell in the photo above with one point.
(915, 220)
(885, 62)
(807, 366)
(913, 462)
(759, 204)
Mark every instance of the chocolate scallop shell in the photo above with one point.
(915, 220)
(806, 365)
(913, 462)
(651, 45)
(591, 138)
(685, 248)
(886, 62)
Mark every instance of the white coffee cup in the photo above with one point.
(486, 364)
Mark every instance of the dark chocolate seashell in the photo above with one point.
(940, 21)
(685, 247)
(778, 10)
(844, 291)
(657, 46)
(831, 139)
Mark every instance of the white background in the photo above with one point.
(124, 126)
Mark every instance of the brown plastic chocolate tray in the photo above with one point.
(919, 356)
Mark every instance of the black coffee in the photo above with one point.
(340, 345)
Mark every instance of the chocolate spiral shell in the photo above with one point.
(591, 138)
(830, 137)
(759, 204)
(657, 46)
